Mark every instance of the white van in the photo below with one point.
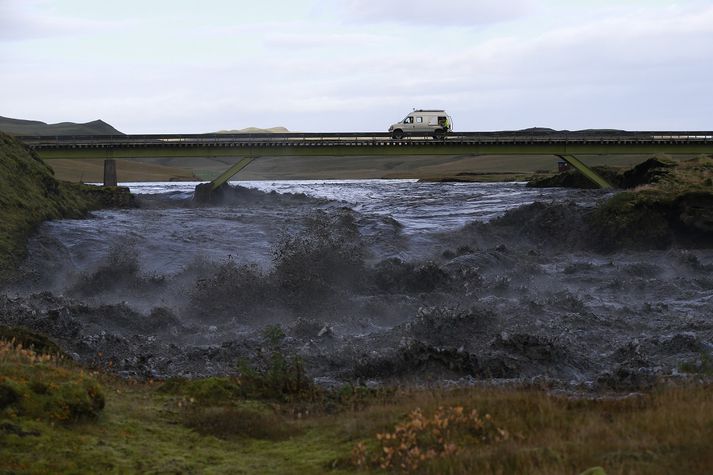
(421, 122)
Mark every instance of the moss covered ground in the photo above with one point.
(56, 417)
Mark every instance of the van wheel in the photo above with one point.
(439, 134)
(398, 134)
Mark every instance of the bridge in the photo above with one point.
(248, 147)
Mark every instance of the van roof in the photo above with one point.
(429, 110)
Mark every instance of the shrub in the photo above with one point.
(421, 439)
(283, 379)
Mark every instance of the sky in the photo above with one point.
(179, 66)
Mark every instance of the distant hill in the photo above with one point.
(35, 127)
(546, 130)
(255, 130)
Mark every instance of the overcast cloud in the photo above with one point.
(427, 12)
(358, 65)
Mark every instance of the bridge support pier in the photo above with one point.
(590, 174)
(110, 172)
(208, 192)
(203, 193)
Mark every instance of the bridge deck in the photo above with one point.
(365, 139)
(363, 143)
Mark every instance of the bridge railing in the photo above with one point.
(366, 138)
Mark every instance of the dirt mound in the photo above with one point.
(228, 195)
(652, 220)
(645, 173)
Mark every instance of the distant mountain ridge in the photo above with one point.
(36, 127)
(255, 130)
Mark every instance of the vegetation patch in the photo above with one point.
(632, 221)
(421, 439)
(666, 203)
(41, 386)
(153, 428)
(29, 194)
(40, 344)
(249, 419)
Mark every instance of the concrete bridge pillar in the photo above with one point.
(110, 173)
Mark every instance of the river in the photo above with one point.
(370, 281)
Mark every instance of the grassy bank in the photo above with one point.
(664, 203)
(30, 194)
(56, 417)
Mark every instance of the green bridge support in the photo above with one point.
(230, 173)
(205, 192)
(590, 174)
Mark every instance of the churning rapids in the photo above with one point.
(371, 282)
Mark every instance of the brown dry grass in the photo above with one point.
(666, 431)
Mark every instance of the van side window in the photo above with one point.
(408, 120)
(419, 120)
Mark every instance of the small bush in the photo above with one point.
(421, 439)
(273, 334)
(284, 379)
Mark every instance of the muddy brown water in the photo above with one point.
(371, 282)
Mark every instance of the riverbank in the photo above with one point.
(30, 194)
(664, 203)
